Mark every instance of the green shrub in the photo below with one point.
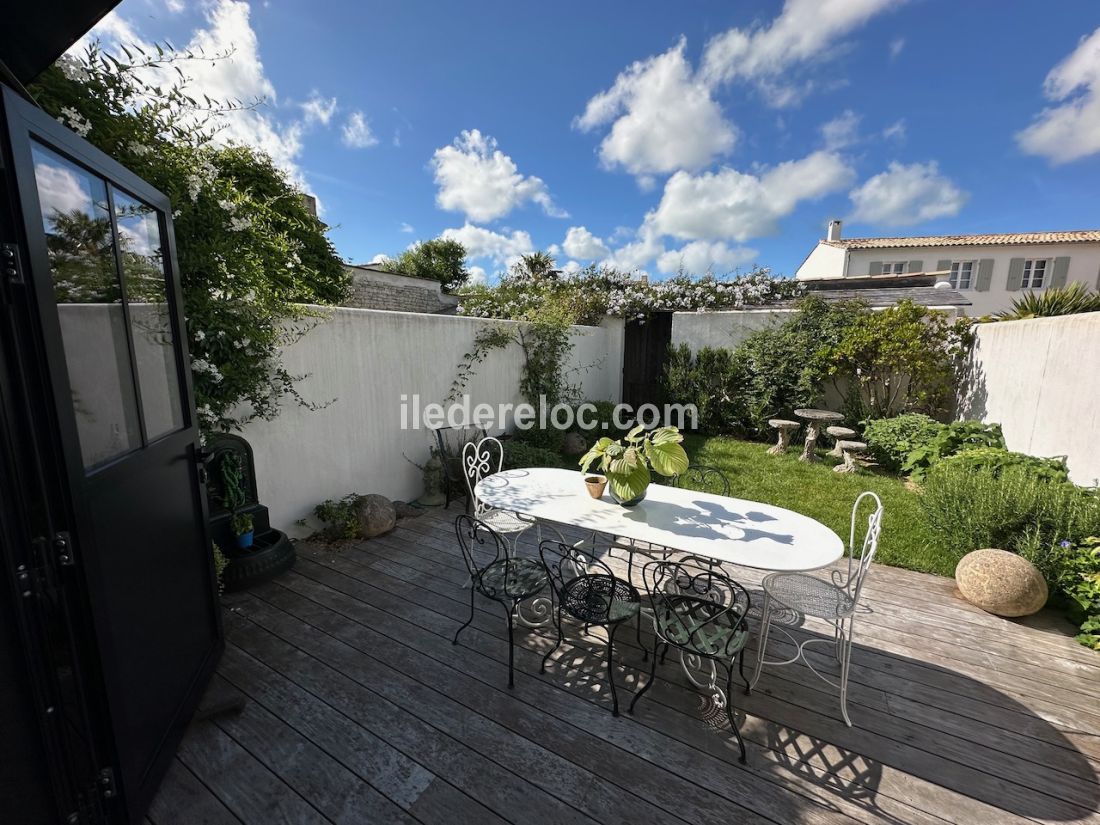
(549, 439)
(1015, 509)
(891, 440)
(710, 379)
(951, 439)
(339, 517)
(520, 454)
(1064, 300)
(1078, 583)
(996, 459)
(602, 421)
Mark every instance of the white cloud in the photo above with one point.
(570, 268)
(379, 258)
(407, 227)
(356, 133)
(318, 109)
(1070, 130)
(698, 257)
(478, 275)
(663, 118)
(896, 130)
(805, 32)
(728, 204)
(476, 178)
(239, 76)
(841, 131)
(501, 248)
(904, 195)
(175, 6)
(580, 243)
(896, 47)
(634, 256)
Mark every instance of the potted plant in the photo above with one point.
(627, 462)
(241, 524)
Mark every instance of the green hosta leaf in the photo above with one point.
(597, 451)
(635, 434)
(668, 458)
(625, 463)
(630, 484)
(666, 435)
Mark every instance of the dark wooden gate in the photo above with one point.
(645, 351)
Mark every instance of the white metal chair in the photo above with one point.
(481, 459)
(834, 601)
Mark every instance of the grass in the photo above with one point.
(816, 491)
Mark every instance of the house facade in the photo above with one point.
(990, 270)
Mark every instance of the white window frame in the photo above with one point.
(1028, 276)
(895, 267)
(955, 278)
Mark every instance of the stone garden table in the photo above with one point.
(814, 419)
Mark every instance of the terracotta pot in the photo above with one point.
(595, 485)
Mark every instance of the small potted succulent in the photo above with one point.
(626, 463)
(241, 525)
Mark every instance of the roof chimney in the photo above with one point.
(834, 231)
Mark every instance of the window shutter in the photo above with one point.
(1015, 274)
(875, 268)
(916, 266)
(1061, 270)
(943, 266)
(985, 275)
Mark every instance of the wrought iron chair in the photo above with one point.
(703, 478)
(450, 441)
(835, 601)
(584, 588)
(496, 575)
(703, 613)
(480, 460)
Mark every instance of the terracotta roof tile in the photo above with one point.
(1001, 239)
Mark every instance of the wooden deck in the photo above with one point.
(359, 710)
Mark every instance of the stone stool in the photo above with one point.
(851, 450)
(786, 430)
(839, 434)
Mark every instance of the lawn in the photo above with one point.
(816, 491)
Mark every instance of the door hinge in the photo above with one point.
(10, 265)
(106, 783)
(63, 546)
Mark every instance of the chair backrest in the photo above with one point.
(565, 564)
(480, 544)
(481, 459)
(450, 441)
(868, 544)
(697, 608)
(703, 478)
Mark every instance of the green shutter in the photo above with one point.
(916, 266)
(1015, 274)
(943, 266)
(1061, 270)
(875, 268)
(985, 275)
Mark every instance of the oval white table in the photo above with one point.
(731, 530)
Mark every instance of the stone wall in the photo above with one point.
(373, 288)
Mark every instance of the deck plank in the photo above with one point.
(360, 709)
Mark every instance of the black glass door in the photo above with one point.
(101, 280)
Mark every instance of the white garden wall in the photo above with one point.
(363, 361)
(722, 330)
(1040, 380)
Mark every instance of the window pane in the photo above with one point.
(151, 326)
(89, 306)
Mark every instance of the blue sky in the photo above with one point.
(653, 134)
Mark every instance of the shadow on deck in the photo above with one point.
(359, 709)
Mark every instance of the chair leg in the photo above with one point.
(611, 668)
(511, 646)
(557, 644)
(729, 712)
(652, 675)
(645, 650)
(741, 670)
(762, 643)
(472, 589)
(845, 665)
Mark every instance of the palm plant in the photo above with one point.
(1063, 300)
